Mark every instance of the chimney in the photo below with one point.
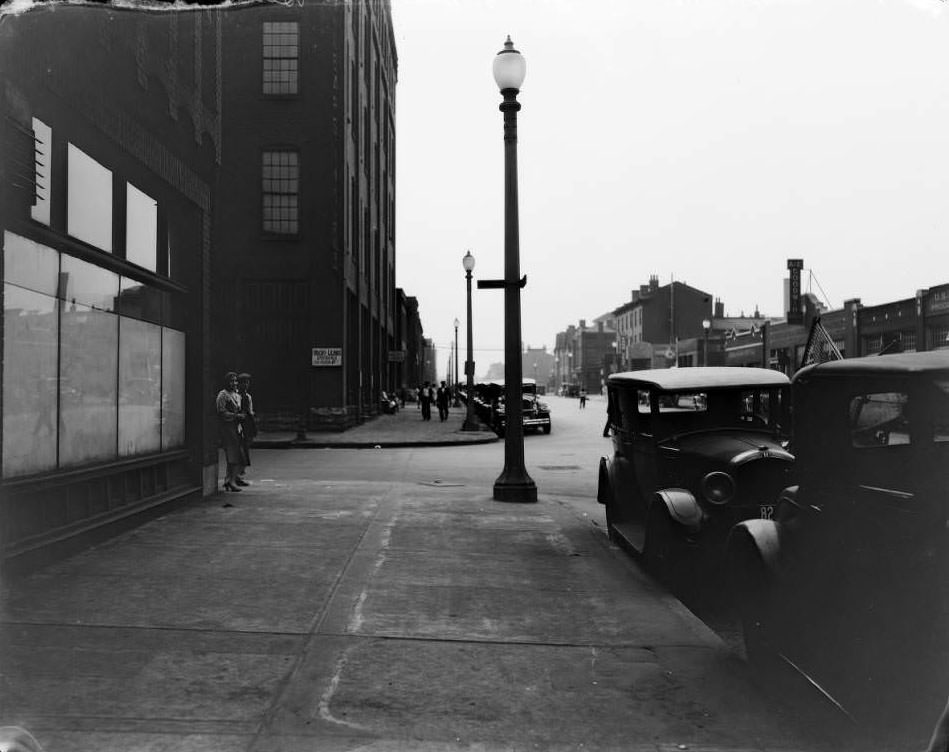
(653, 282)
(719, 309)
(583, 323)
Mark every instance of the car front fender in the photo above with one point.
(755, 536)
(682, 507)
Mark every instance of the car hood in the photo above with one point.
(734, 447)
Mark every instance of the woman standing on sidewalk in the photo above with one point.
(229, 417)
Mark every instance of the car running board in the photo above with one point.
(632, 536)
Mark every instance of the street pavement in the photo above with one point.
(326, 610)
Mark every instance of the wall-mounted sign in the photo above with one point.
(327, 356)
(396, 356)
(795, 314)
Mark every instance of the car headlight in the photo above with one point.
(718, 487)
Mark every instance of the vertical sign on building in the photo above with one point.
(795, 314)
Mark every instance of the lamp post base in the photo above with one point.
(520, 489)
(474, 425)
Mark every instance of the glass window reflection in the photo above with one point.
(87, 284)
(87, 385)
(139, 387)
(30, 264)
(30, 420)
(173, 389)
(139, 301)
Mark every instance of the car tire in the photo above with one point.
(750, 594)
(665, 554)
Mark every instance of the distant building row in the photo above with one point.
(676, 325)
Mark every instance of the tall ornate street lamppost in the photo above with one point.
(454, 383)
(471, 421)
(513, 484)
(706, 325)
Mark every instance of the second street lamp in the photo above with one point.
(454, 383)
(514, 484)
(471, 422)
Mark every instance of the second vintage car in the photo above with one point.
(847, 585)
(695, 450)
(535, 413)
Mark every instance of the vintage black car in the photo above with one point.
(695, 450)
(846, 585)
(535, 414)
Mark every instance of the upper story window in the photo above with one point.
(281, 190)
(281, 57)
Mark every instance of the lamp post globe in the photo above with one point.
(513, 484)
(706, 325)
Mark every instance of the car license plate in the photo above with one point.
(767, 511)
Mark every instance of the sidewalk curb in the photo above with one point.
(308, 443)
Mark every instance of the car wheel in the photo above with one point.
(750, 593)
(665, 553)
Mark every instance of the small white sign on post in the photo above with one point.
(327, 356)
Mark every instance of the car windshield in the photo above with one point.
(685, 412)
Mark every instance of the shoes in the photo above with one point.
(241, 482)
(230, 487)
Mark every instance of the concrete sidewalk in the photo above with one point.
(403, 429)
(310, 613)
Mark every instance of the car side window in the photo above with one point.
(631, 410)
(879, 419)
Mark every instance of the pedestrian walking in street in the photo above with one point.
(425, 400)
(229, 417)
(248, 425)
(442, 399)
(583, 397)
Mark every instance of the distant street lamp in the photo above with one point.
(454, 383)
(471, 422)
(513, 484)
(706, 325)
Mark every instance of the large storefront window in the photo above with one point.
(30, 336)
(172, 388)
(87, 385)
(84, 382)
(139, 387)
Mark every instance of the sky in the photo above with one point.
(705, 141)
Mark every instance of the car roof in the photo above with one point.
(881, 365)
(703, 377)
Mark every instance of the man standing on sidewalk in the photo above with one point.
(442, 398)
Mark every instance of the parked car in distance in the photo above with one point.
(847, 583)
(535, 414)
(694, 450)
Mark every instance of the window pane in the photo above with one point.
(89, 200)
(30, 264)
(879, 419)
(172, 389)
(280, 185)
(30, 332)
(87, 385)
(141, 234)
(140, 301)
(139, 387)
(89, 285)
(280, 53)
